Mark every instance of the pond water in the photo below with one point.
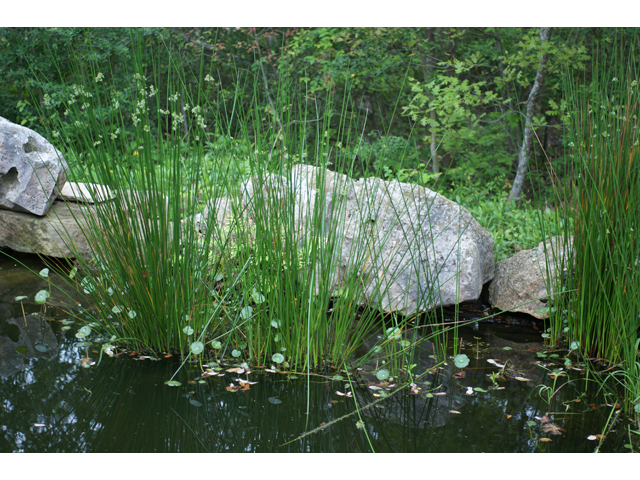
(50, 403)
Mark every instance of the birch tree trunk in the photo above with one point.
(525, 150)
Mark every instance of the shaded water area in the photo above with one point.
(50, 403)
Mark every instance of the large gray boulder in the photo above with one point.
(61, 233)
(411, 248)
(525, 282)
(32, 171)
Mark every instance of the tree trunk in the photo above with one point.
(525, 150)
(427, 67)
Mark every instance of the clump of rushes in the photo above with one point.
(599, 313)
(164, 280)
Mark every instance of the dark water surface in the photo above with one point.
(50, 403)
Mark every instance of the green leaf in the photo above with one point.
(274, 400)
(73, 272)
(22, 350)
(197, 348)
(382, 374)
(478, 389)
(236, 353)
(277, 358)
(461, 360)
(257, 296)
(44, 273)
(41, 297)
(574, 345)
(246, 312)
(194, 402)
(42, 347)
(20, 298)
(173, 383)
(337, 377)
(507, 348)
(216, 344)
(188, 330)
(83, 332)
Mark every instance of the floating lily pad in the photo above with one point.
(41, 347)
(20, 298)
(274, 400)
(41, 297)
(574, 345)
(66, 327)
(173, 383)
(197, 348)
(22, 350)
(195, 403)
(188, 330)
(83, 332)
(461, 360)
(44, 273)
(277, 357)
(216, 344)
(338, 377)
(246, 312)
(507, 348)
(382, 374)
(132, 314)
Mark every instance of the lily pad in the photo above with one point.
(41, 347)
(83, 332)
(507, 348)
(173, 383)
(461, 360)
(22, 350)
(20, 298)
(197, 348)
(277, 357)
(44, 273)
(41, 297)
(188, 330)
(195, 403)
(574, 345)
(274, 400)
(382, 374)
(246, 312)
(216, 344)
(338, 377)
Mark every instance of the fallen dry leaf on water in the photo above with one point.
(455, 411)
(545, 439)
(348, 394)
(522, 379)
(552, 428)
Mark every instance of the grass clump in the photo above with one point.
(212, 243)
(598, 306)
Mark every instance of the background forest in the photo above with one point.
(441, 107)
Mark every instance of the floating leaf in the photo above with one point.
(277, 357)
(83, 332)
(216, 344)
(338, 377)
(392, 332)
(507, 348)
(461, 360)
(42, 347)
(274, 324)
(195, 403)
(236, 353)
(197, 348)
(66, 327)
(117, 309)
(382, 374)
(20, 298)
(522, 379)
(274, 400)
(478, 389)
(22, 350)
(454, 411)
(44, 273)
(173, 383)
(73, 272)
(132, 314)
(531, 423)
(188, 330)
(404, 343)
(574, 345)
(41, 297)
(545, 439)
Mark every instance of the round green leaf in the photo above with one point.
(188, 330)
(22, 350)
(20, 298)
(257, 296)
(277, 358)
(44, 273)
(461, 360)
(83, 332)
(574, 345)
(41, 297)
(274, 400)
(216, 344)
(116, 309)
(132, 314)
(274, 324)
(382, 374)
(246, 312)
(73, 272)
(197, 348)
(236, 353)
(194, 402)
(172, 383)
(42, 348)
(338, 377)
(507, 348)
